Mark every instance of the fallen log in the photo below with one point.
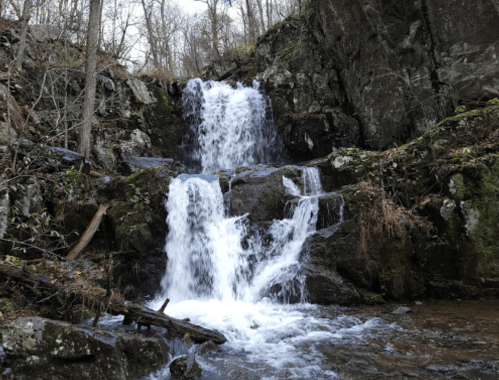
(89, 233)
(115, 305)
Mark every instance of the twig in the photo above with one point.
(49, 297)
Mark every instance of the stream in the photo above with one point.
(224, 275)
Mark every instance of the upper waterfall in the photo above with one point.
(228, 127)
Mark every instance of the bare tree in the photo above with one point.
(84, 136)
(24, 31)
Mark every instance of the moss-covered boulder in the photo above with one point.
(46, 349)
(137, 221)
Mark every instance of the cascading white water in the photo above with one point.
(224, 278)
(229, 126)
(280, 267)
(206, 258)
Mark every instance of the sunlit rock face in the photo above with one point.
(375, 73)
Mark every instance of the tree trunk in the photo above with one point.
(150, 33)
(251, 22)
(84, 136)
(262, 16)
(24, 32)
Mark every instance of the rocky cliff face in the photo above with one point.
(374, 73)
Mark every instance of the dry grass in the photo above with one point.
(385, 217)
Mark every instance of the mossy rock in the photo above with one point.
(7, 304)
(80, 313)
(131, 228)
(147, 186)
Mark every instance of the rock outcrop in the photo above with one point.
(374, 73)
(419, 219)
(45, 349)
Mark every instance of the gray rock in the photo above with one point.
(139, 144)
(323, 284)
(6, 132)
(142, 94)
(137, 164)
(401, 310)
(47, 349)
(260, 192)
(185, 368)
(389, 69)
(44, 33)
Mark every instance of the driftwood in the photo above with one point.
(89, 233)
(116, 306)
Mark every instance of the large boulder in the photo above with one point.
(46, 349)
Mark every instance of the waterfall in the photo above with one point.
(228, 127)
(206, 258)
(223, 275)
(279, 270)
(205, 254)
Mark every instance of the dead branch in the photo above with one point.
(89, 233)
(116, 306)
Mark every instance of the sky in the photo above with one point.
(197, 6)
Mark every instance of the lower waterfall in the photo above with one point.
(206, 257)
(210, 280)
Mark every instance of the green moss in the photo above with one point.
(242, 169)
(137, 185)
(80, 313)
(117, 212)
(485, 244)
(374, 299)
(6, 304)
(357, 201)
(457, 186)
(465, 115)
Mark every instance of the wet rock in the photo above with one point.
(324, 285)
(401, 310)
(66, 158)
(47, 349)
(208, 347)
(330, 210)
(260, 192)
(185, 368)
(164, 120)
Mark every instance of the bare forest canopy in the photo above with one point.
(160, 37)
